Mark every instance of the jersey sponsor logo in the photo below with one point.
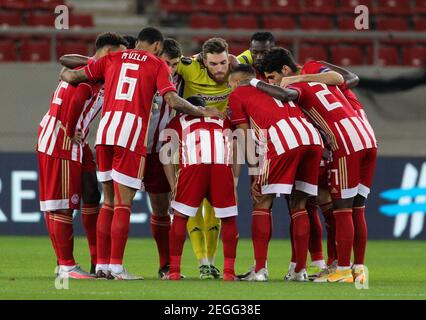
(218, 98)
(410, 210)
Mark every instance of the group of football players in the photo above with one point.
(174, 127)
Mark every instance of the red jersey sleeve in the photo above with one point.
(83, 92)
(164, 81)
(95, 71)
(237, 112)
(313, 67)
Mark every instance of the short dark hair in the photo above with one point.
(214, 45)
(150, 35)
(111, 39)
(244, 68)
(263, 37)
(197, 100)
(276, 58)
(131, 40)
(172, 48)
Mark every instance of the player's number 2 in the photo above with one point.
(322, 96)
(123, 79)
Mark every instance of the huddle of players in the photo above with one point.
(313, 110)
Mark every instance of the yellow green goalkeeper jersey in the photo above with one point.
(197, 81)
(245, 57)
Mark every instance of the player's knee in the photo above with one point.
(92, 196)
(343, 203)
(160, 204)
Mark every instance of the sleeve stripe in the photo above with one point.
(167, 89)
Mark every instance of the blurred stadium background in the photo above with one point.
(389, 57)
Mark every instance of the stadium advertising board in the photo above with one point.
(396, 207)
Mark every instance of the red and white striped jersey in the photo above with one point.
(280, 126)
(161, 114)
(132, 77)
(201, 140)
(331, 112)
(52, 135)
(313, 67)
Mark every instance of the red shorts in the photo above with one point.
(89, 164)
(59, 183)
(155, 180)
(212, 181)
(121, 165)
(298, 167)
(352, 175)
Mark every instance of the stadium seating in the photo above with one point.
(65, 47)
(320, 6)
(14, 4)
(348, 6)
(249, 6)
(242, 22)
(389, 56)
(35, 51)
(312, 52)
(346, 23)
(420, 23)
(81, 20)
(284, 6)
(316, 23)
(41, 19)
(394, 7)
(7, 51)
(415, 56)
(176, 6)
(419, 6)
(347, 55)
(10, 18)
(213, 6)
(206, 21)
(278, 22)
(392, 23)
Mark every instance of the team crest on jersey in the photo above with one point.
(75, 199)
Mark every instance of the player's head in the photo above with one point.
(215, 58)
(150, 39)
(197, 100)
(131, 40)
(260, 43)
(171, 54)
(109, 42)
(278, 63)
(240, 73)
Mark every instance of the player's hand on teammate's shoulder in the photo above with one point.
(286, 81)
(212, 112)
(78, 137)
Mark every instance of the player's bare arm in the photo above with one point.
(73, 60)
(73, 76)
(184, 106)
(331, 78)
(283, 94)
(352, 80)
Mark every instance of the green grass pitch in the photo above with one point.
(397, 270)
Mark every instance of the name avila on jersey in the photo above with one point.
(134, 56)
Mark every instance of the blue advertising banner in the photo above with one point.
(395, 210)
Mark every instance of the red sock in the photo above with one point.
(300, 237)
(160, 227)
(260, 232)
(177, 239)
(48, 216)
(103, 234)
(330, 226)
(293, 250)
(119, 233)
(361, 233)
(315, 233)
(64, 238)
(89, 216)
(344, 236)
(230, 240)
